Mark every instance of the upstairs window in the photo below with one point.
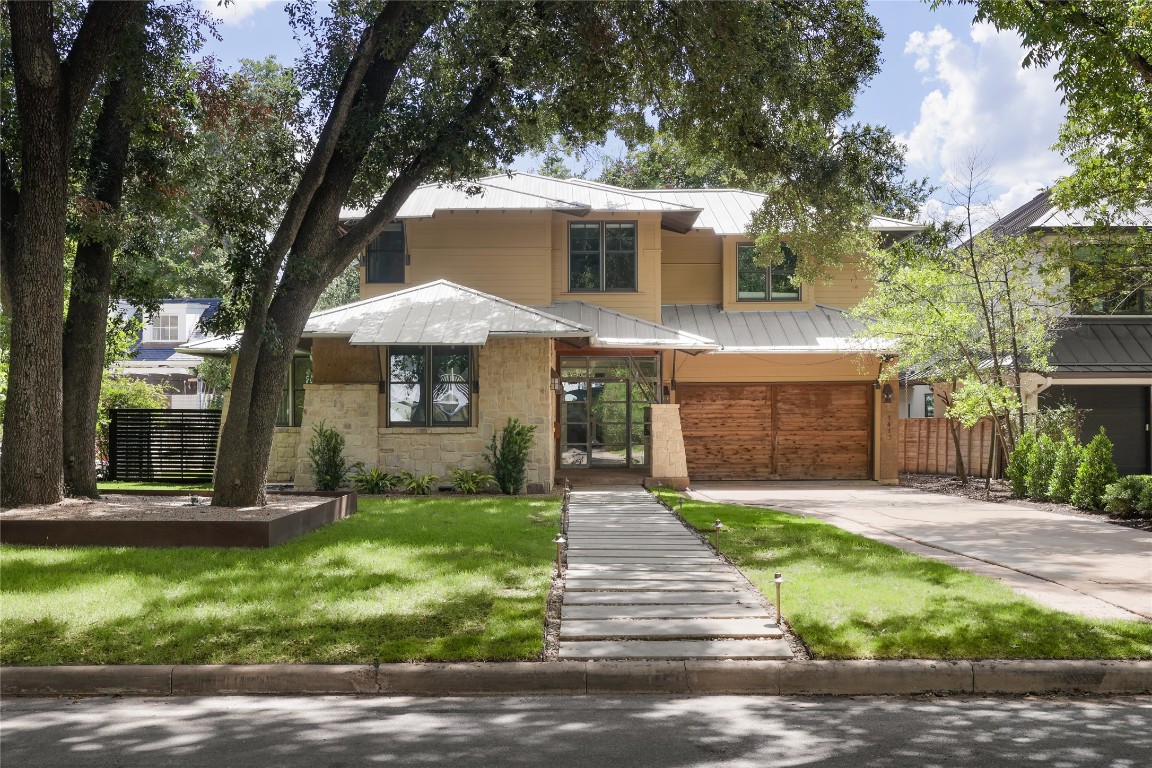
(1097, 285)
(166, 328)
(756, 282)
(430, 386)
(386, 256)
(601, 256)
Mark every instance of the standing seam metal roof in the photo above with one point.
(821, 328)
(1104, 345)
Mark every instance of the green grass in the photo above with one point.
(124, 485)
(849, 597)
(430, 579)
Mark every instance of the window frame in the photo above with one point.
(403, 254)
(429, 421)
(158, 328)
(767, 271)
(603, 256)
(288, 397)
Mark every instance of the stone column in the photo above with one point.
(669, 465)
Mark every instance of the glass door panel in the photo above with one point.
(604, 415)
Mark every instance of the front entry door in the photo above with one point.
(605, 419)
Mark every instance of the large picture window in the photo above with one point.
(756, 282)
(602, 256)
(292, 401)
(430, 386)
(386, 256)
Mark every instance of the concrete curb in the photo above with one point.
(772, 678)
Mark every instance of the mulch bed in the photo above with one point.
(1000, 492)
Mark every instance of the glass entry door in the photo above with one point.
(604, 414)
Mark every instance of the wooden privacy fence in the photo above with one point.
(165, 445)
(927, 447)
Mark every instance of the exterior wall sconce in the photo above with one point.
(887, 393)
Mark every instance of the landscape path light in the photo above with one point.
(559, 541)
(779, 579)
(717, 526)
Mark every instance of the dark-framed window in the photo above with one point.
(291, 409)
(929, 405)
(386, 256)
(756, 282)
(601, 256)
(1098, 287)
(430, 386)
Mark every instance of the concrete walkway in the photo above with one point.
(1074, 564)
(639, 585)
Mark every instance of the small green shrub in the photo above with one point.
(1144, 503)
(417, 485)
(1096, 472)
(470, 480)
(1042, 462)
(1068, 452)
(326, 452)
(374, 480)
(1124, 497)
(1019, 462)
(508, 455)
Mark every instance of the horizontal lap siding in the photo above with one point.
(776, 431)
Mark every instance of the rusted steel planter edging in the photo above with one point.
(774, 678)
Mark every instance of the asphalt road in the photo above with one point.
(584, 732)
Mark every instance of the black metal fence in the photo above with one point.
(164, 445)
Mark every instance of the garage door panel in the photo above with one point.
(822, 455)
(821, 408)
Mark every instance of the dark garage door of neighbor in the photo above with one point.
(777, 431)
(1121, 410)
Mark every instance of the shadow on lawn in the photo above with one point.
(399, 581)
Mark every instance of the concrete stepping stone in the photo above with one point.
(666, 629)
(676, 649)
(660, 598)
(665, 611)
(672, 573)
(647, 585)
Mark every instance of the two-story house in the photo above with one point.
(634, 329)
(155, 357)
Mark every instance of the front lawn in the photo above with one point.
(849, 597)
(405, 579)
(116, 486)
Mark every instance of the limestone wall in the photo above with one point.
(669, 462)
(285, 449)
(348, 408)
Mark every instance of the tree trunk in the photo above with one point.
(954, 428)
(85, 329)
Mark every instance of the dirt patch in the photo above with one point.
(1000, 492)
(114, 506)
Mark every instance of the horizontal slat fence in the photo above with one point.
(927, 447)
(163, 445)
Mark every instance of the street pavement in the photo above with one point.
(576, 732)
(1073, 563)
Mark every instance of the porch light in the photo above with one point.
(559, 541)
(779, 579)
(887, 393)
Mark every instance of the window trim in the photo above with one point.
(290, 391)
(767, 269)
(425, 383)
(604, 257)
(404, 257)
(158, 327)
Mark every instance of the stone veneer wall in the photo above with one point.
(514, 376)
(285, 449)
(669, 462)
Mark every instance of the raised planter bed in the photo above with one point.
(269, 530)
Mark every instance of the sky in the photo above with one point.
(954, 92)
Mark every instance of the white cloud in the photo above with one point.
(235, 12)
(984, 105)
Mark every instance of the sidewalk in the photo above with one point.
(1070, 563)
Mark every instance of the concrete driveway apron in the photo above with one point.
(1072, 563)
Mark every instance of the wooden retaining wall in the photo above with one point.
(927, 447)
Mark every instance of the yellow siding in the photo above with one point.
(730, 303)
(505, 254)
(691, 268)
(643, 303)
(848, 285)
(725, 369)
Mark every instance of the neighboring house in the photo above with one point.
(633, 329)
(155, 357)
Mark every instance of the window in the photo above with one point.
(386, 256)
(602, 256)
(166, 328)
(756, 282)
(929, 405)
(430, 386)
(292, 401)
(1097, 285)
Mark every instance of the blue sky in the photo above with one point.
(949, 89)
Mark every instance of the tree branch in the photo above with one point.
(94, 43)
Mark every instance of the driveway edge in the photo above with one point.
(772, 678)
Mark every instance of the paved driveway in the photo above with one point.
(1076, 564)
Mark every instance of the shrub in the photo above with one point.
(508, 455)
(124, 392)
(1068, 452)
(1096, 471)
(1043, 461)
(1144, 503)
(419, 485)
(326, 452)
(374, 480)
(470, 480)
(1123, 497)
(1019, 462)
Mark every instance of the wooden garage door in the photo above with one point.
(777, 431)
